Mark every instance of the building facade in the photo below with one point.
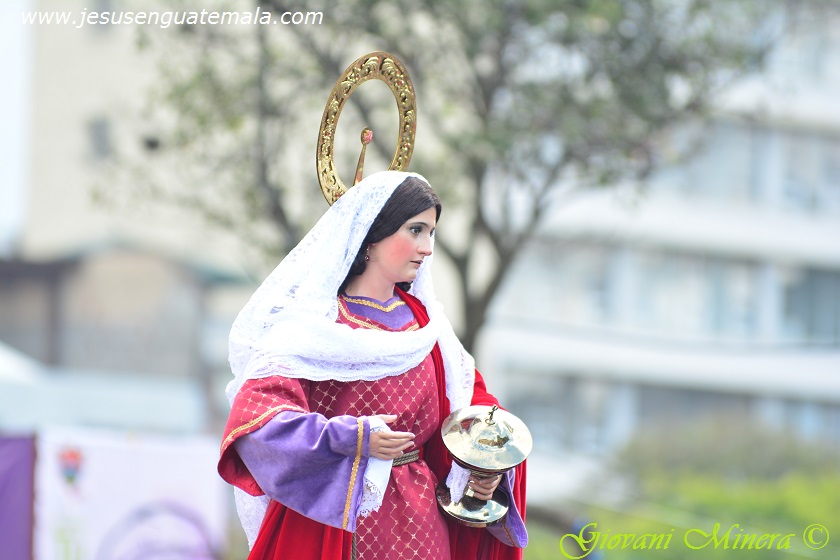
(115, 300)
(713, 292)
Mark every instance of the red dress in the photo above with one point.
(408, 525)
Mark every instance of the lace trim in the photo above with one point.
(377, 474)
(372, 499)
(457, 482)
(251, 510)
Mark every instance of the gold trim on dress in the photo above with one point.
(362, 323)
(260, 418)
(348, 315)
(373, 304)
(354, 472)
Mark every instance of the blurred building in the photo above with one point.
(117, 304)
(122, 337)
(113, 319)
(714, 292)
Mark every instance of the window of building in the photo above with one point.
(812, 306)
(545, 403)
(807, 53)
(687, 295)
(741, 162)
(830, 175)
(558, 281)
(801, 177)
(730, 301)
(669, 294)
(723, 166)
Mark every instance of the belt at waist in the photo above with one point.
(407, 458)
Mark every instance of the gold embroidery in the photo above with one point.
(347, 314)
(375, 305)
(354, 472)
(259, 419)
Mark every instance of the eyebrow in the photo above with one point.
(421, 224)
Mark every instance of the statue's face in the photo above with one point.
(398, 257)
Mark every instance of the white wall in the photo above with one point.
(15, 63)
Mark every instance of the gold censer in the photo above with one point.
(488, 442)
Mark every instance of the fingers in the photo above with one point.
(483, 488)
(390, 445)
(392, 440)
(486, 483)
(482, 494)
(393, 437)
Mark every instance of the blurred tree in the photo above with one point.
(722, 470)
(520, 103)
(727, 447)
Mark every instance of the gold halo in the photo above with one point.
(376, 65)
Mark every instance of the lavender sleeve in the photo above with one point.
(511, 531)
(311, 464)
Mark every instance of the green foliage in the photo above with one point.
(686, 501)
(723, 472)
(794, 500)
(727, 447)
(542, 543)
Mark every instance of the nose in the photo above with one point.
(425, 246)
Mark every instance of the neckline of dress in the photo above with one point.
(384, 306)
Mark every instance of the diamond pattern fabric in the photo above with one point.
(408, 524)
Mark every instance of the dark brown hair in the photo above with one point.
(410, 198)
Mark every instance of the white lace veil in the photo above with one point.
(289, 328)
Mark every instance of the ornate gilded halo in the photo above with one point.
(376, 65)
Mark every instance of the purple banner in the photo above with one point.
(17, 467)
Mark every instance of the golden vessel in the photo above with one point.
(488, 441)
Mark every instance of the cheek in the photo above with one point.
(400, 248)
